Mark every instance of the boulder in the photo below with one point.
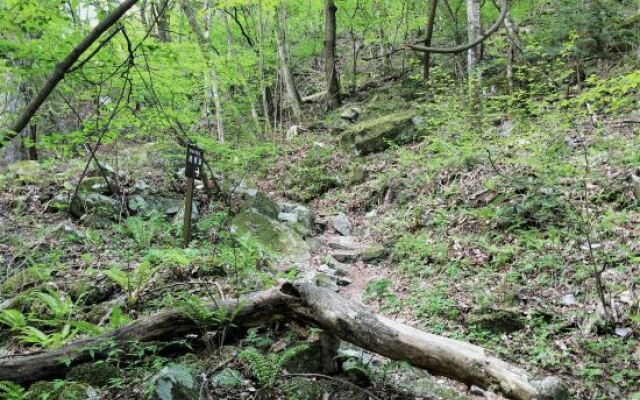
(342, 225)
(341, 243)
(298, 213)
(94, 184)
(346, 256)
(272, 238)
(374, 135)
(175, 382)
(373, 253)
(351, 114)
(261, 203)
(195, 214)
(95, 209)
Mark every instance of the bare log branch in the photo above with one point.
(63, 67)
(310, 304)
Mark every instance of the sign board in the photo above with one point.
(193, 168)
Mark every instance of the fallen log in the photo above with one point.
(308, 303)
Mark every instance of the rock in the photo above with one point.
(95, 184)
(374, 136)
(477, 391)
(341, 243)
(159, 204)
(568, 300)
(261, 203)
(95, 209)
(195, 214)
(327, 281)
(274, 239)
(227, 379)
(342, 225)
(175, 382)
(140, 187)
(287, 217)
(623, 332)
(104, 169)
(346, 256)
(304, 215)
(635, 180)
(351, 114)
(373, 253)
(552, 388)
(137, 204)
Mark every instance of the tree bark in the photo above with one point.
(474, 30)
(310, 304)
(287, 76)
(164, 30)
(61, 68)
(206, 49)
(427, 40)
(333, 84)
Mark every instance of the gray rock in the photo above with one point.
(94, 184)
(623, 332)
(195, 214)
(346, 256)
(137, 204)
(351, 114)
(290, 217)
(327, 281)
(140, 187)
(342, 281)
(552, 388)
(342, 225)
(568, 300)
(341, 243)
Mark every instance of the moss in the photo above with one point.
(271, 237)
(373, 253)
(77, 391)
(302, 389)
(41, 389)
(95, 374)
(373, 136)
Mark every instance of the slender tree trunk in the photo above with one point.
(333, 84)
(474, 30)
(164, 33)
(287, 76)
(427, 41)
(206, 53)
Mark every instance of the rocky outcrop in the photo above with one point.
(374, 135)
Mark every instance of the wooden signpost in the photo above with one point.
(192, 171)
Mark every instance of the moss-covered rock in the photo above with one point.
(373, 253)
(78, 391)
(95, 209)
(94, 184)
(262, 203)
(95, 374)
(374, 135)
(274, 239)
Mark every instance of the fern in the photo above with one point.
(132, 282)
(14, 319)
(267, 368)
(11, 391)
(58, 305)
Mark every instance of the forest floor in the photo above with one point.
(488, 232)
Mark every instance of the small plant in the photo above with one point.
(14, 319)
(132, 282)
(57, 304)
(11, 391)
(267, 368)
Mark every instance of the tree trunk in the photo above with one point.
(310, 304)
(287, 76)
(333, 84)
(427, 40)
(206, 49)
(161, 14)
(61, 68)
(474, 30)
